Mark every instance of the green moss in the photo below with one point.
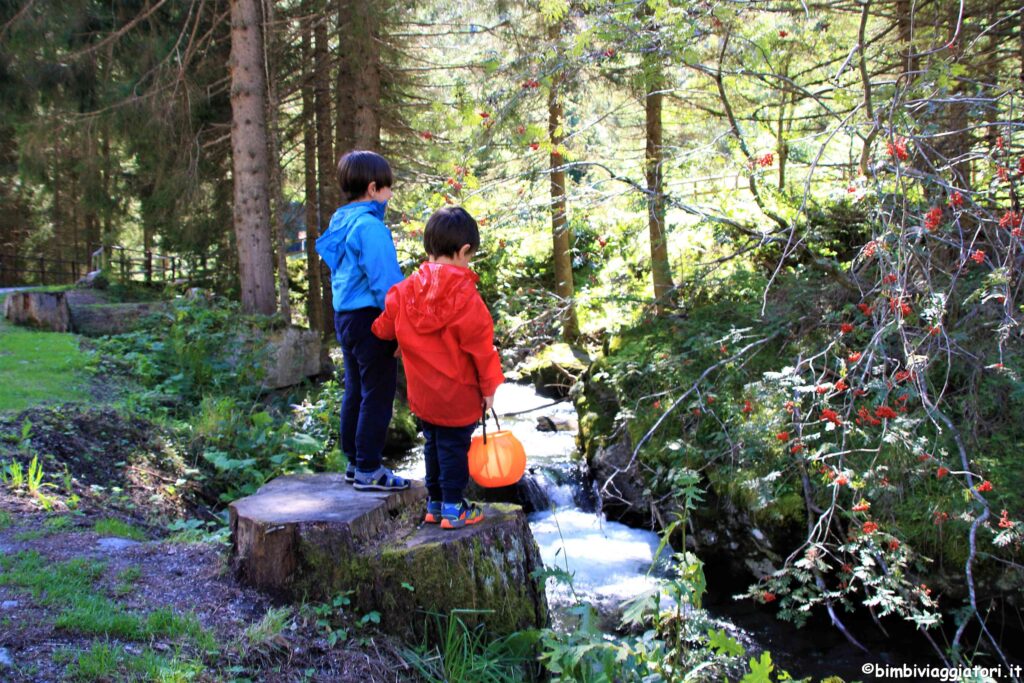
(556, 367)
(444, 576)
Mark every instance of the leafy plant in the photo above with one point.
(328, 618)
(12, 475)
(470, 654)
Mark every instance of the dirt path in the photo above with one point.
(106, 574)
(77, 603)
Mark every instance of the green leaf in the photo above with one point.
(724, 644)
(760, 670)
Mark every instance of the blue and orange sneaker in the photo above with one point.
(433, 515)
(458, 515)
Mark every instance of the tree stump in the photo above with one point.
(43, 310)
(313, 537)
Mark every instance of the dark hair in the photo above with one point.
(448, 229)
(357, 169)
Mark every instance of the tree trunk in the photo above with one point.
(327, 162)
(276, 175)
(314, 307)
(954, 149)
(359, 76)
(249, 159)
(904, 28)
(560, 230)
(661, 269)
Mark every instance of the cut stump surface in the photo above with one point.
(313, 537)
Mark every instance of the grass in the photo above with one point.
(39, 367)
(6, 519)
(126, 580)
(115, 527)
(33, 535)
(58, 523)
(104, 661)
(70, 587)
(465, 654)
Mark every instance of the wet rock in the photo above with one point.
(556, 423)
(42, 310)
(526, 493)
(615, 474)
(759, 568)
(312, 536)
(6, 661)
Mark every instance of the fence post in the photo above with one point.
(149, 267)
(124, 267)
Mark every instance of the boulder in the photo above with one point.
(313, 537)
(292, 355)
(100, 320)
(44, 310)
(555, 369)
(619, 483)
(557, 423)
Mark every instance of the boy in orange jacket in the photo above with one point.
(446, 337)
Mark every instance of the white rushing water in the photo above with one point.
(609, 561)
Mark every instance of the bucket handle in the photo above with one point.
(483, 420)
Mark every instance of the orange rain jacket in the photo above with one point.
(446, 336)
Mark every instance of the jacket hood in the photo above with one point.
(331, 245)
(436, 293)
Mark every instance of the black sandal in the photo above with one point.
(381, 480)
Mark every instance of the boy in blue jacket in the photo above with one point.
(360, 252)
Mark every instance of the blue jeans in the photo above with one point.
(371, 373)
(446, 454)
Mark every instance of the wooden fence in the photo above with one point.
(127, 265)
(120, 263)
(16, 271)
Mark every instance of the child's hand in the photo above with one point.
(488, 403)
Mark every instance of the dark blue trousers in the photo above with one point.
(371, 372)
(446, 453)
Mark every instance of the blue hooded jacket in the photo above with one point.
(360, 252)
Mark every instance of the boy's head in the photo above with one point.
(357, 169)
(448, 230)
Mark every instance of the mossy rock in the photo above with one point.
(403, 432)
(596, 405)
(555, 369)
(310, 537)
(99, 320)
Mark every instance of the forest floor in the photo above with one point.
(108, 574)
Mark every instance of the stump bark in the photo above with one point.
(43, 310)
(313, 536)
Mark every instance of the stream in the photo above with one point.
(610, 562)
